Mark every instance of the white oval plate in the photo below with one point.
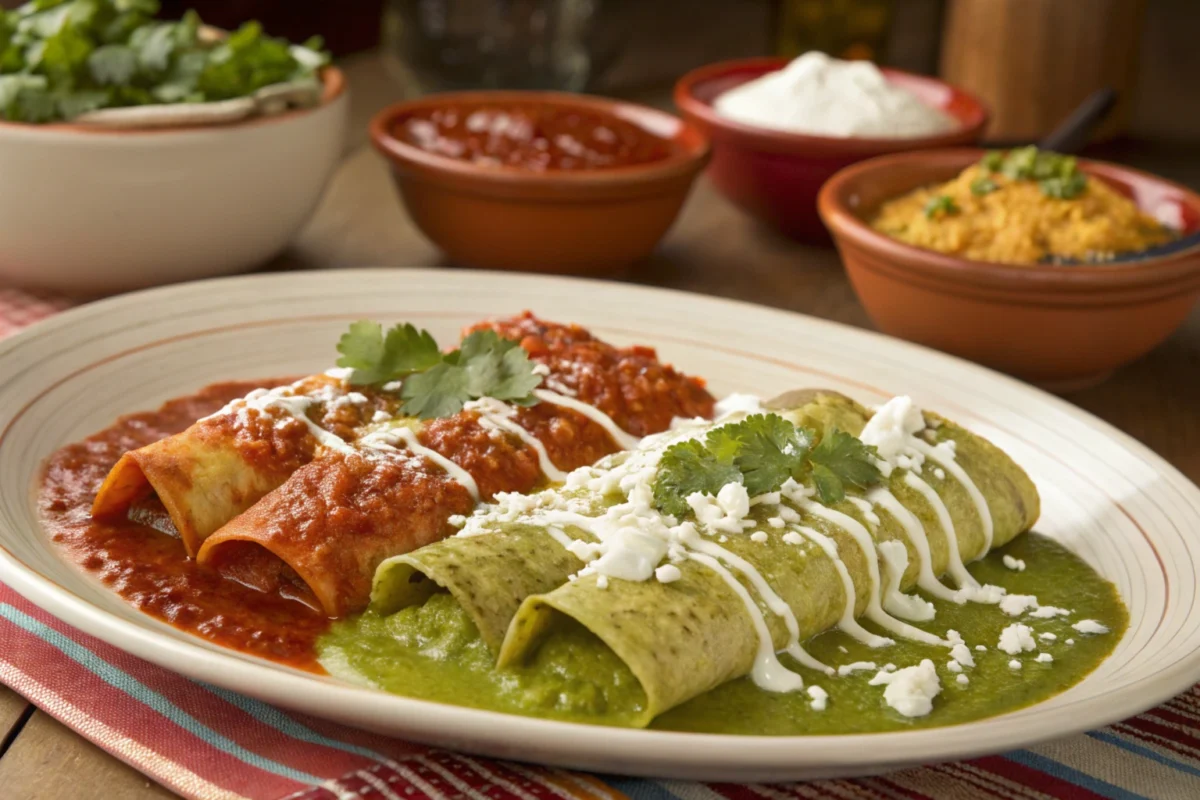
(1121, 507)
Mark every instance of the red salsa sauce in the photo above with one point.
(142, 560)
(538, 138)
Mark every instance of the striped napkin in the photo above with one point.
(205, 742)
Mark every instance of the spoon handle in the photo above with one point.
(1074, 132)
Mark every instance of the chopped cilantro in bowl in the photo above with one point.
(63, 58)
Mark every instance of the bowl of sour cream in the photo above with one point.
(780, 129)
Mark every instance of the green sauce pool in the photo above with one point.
(433, 652)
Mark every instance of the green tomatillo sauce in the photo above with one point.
(433, 652)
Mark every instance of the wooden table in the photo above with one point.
(714, 250)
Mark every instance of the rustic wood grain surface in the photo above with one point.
(714, 250)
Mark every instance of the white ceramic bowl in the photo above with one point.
(91, 211)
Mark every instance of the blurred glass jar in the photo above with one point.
(851, 29)
(446, 45)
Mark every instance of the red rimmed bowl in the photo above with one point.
(587, 221)
(776, 175)
(1063, 327)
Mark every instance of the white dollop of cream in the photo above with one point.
(824, 96)
(819, 698)
(739, 404)
(1015, 564)
(631, 554)
(911, 690)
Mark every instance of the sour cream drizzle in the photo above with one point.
(866, 543)
(920, 542)
(945, 458)
(848, 623)
(496, 414)
(387, 439)
(626, 441)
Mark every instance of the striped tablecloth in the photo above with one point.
(206, 742)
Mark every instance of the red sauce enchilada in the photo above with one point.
(296, 543)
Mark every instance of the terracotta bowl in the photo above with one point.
(1060, 326)
(501, 217)
(775, 175)
(90, 210)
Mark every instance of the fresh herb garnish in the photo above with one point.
(982, 186)
(839, 459)
(63, 58)
(1064, 188)
(761, 452)
(940, 204)
(1057, 175)
(437, 384)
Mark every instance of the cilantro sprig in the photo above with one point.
(762, 452)
(63, 58)
(1057, 175)
(437, 384)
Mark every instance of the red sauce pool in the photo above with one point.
(538, 138)
(142, 561)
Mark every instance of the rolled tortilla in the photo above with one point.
(683, 638)
(223, 464)
(490, 575)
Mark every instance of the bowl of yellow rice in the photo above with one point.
(1023, 260)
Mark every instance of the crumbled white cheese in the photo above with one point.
(962, 654)
(541, 369)
(380, 416)
(987, 594)
(1090, 626)
(1048, 612)
(891, 427)
(393, 386)
(963, 680)
(911, 690)
(759, 537)
(820, 698)
(953, 666)
(725, 512)
(341, 373)
(1014, 563)
(857, 666)
(843, 648)
(791, 537)
(939, 473)
(981, 648)
(1017, 604)
(1044, 658)
(1016, 638)
(667, 573)
(601, 581)
(1047, 637)
(1070, 642)
(776, 522)
(1014, 664)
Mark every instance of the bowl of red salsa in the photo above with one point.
(540, 181)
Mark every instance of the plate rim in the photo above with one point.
(741, 757)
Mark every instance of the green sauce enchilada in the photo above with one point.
(818, 584)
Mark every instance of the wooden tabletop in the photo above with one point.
(713, 249)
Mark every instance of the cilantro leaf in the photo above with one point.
(942, 204)
(771, 451)
(376, 358)
(686, 468)
(439, 391)
(113, 64)
(438, 384)
(517, 380)
(838, 459)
